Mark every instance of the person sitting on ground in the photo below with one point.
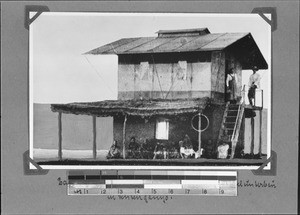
(199, 153)
(223, 150)
(209, 150)
(186, 148)
(133, 149)
(182, 150)
(114, 151)
(147, 148)
(160, 151)
(173, 152)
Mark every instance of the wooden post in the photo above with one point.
(152, 82)
(59, 136)
(254, 98)
(262, 98)
(252, 135)
(124, 135)
(199, 135)
(94, 138)
(260, 131)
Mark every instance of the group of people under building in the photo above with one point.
(231, 88)
(165, 150)
(185, 149)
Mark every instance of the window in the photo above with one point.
(162, 129)
(145, 71)
(182, 69)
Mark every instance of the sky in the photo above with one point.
(60, 73)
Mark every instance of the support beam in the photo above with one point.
(199, 133)
(260, 132)
(94, 138)
(124, 136)
(59, 136)
(262, 99)
(252, 136)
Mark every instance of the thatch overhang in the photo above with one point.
(142, 108)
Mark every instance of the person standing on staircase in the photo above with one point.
(231, 86)
(254, 83)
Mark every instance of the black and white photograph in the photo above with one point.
(150, 90)
(150, 107)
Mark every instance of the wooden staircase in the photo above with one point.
(231, 125)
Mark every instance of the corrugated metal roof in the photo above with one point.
(169, 44)
(223, 41)
(198, 42)
(176, 43)
(134, 107)
(148, 47)
(111, 46)
(189, 40)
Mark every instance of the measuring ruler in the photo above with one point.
(221, 183)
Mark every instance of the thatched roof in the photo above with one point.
(144, 108)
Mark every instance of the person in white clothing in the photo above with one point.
(223, 150)
(254, 83)
(186, 148)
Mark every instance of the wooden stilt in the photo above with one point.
(152, 83)
(252, 136)
(260, 132)
(199, 133)
(124, 136)
(94, 138)
(59, 136)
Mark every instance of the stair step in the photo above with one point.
(232, 115)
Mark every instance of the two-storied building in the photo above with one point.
(172, 84)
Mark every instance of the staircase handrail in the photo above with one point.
(235, 124)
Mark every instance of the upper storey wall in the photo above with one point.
(172, 76)
(176, 75)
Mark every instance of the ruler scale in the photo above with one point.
(221, 183)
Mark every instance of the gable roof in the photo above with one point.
(189, 40)
(139, 45)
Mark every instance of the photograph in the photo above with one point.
(149, 90)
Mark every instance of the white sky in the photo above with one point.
(60, 73)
